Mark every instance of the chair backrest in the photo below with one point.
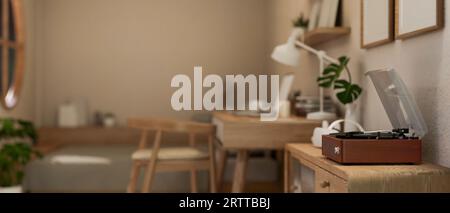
(167, 125)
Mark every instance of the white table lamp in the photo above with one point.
(289, 54)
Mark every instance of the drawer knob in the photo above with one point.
(337, 150)
(325, 184)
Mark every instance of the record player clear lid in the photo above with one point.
(400, 106)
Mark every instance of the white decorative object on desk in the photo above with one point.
(285, 104)
(285, 109)
(323, 116)
(109, 120)
(330, 129)
(73, 114)
(68, 115)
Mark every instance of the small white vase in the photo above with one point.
(351, 113)
(109, 121)
(11, 189)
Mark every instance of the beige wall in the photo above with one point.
(279, 21)
(423, 63)
(121, 55)
(26, 106)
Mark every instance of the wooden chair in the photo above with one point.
(189, 158)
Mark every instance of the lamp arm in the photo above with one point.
(316, 52)
(322, 58)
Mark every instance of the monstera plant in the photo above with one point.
(16, 150)
(346, 91)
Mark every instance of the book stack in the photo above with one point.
(324, 13)
(305, 105)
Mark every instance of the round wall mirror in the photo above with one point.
(12, 53)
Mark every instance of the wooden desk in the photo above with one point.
(243, 134)
(332, 177)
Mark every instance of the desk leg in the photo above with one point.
(222, 162)
(240, 172)
(287, 168)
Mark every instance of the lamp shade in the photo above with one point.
(287, 54)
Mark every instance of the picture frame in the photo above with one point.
(381, 30)
(417, 17)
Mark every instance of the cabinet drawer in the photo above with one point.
(326, 182)
(306, 177)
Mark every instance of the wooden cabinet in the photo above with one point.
(306, 170)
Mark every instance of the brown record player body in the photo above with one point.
(372, 151)
(402, 145)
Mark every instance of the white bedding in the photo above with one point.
(79, 160)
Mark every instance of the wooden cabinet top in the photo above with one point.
(347, 172)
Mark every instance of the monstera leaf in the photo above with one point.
(333, 72)
(347, 92)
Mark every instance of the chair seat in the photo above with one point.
(176, 153)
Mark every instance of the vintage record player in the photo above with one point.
(403, 145)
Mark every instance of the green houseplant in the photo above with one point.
(16, 140)
(346, 91)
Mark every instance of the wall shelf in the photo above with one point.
(322, 35)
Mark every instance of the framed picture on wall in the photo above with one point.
(416, 17)
(377, 21)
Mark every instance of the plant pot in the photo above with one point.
(11, 189)
(351, 113)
